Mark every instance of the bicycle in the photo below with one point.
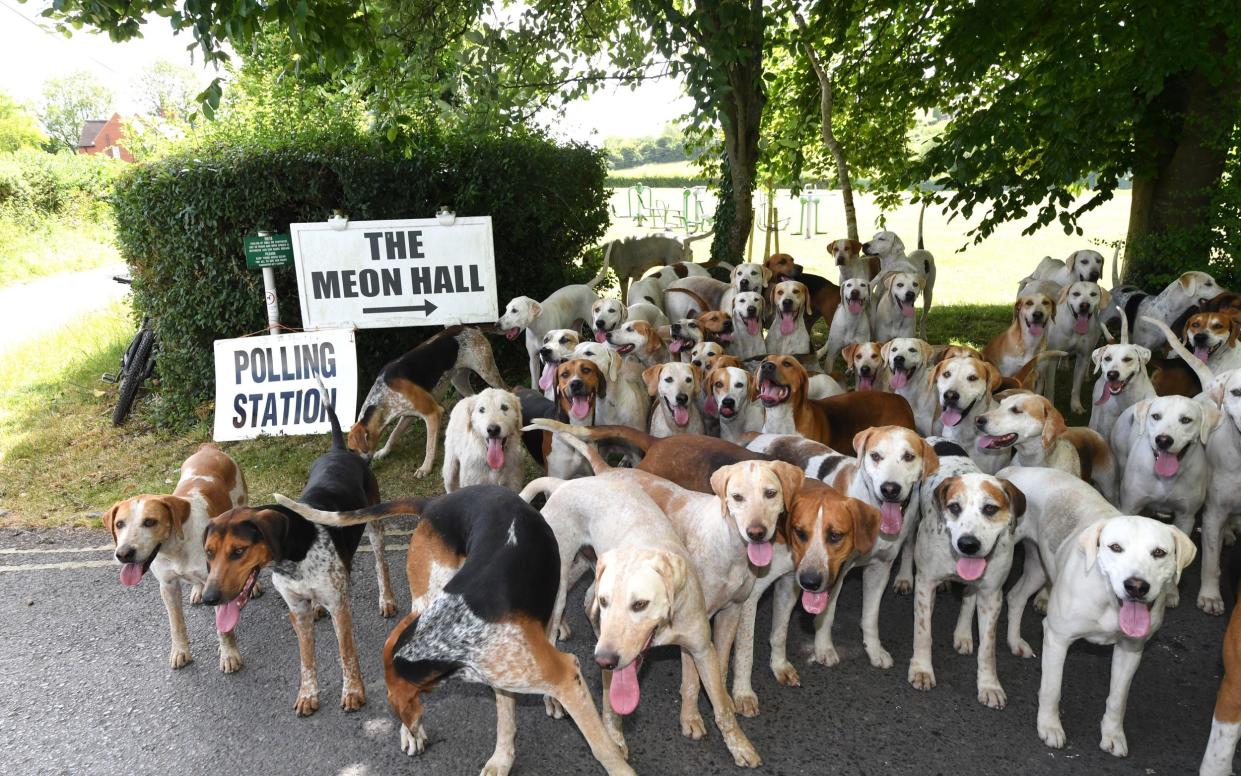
(137, 365)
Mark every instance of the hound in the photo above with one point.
(640, 340)
(1075, 329)
(1111, 578)
(633, 257)
(1223, 496)
(890, 250)
(1035, 430)
(735, 394)
(692, 296)
(824, 294)
(1212, 338)
(705, 352)
(624, 402)
(483, 575)
(567, 308)
(1123, 382)
(646, 593)
(894, 294)
(163, 534)
(1226, 721)
(483, 443)
(1085, 266)
(557, 345)
(679, 270)
(788, 334)
(646, 290)
(1132, 304)
(580, 387)
(1025, 337)
(607, 314)
(966, 535)
(310, 564)
(865, 361)
(683, 335)
(905, 361)
(742, 278)
(1160, 444)
(887, 473)
(674, 386)
(963, 389)
(747, 318)
(848, 257)
(851, 323)
(406, 388)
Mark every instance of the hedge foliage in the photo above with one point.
(180, 224)
(35, 184)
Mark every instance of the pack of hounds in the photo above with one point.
(697, 450)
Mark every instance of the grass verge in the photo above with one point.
(55, 245)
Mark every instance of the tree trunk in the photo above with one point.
(1183, 140)
(826, 101)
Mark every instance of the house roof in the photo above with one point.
(90, 132)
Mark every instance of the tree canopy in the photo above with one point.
(18, 126)
(69, 102)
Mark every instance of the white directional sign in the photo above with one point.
(408, 272)
(266, 385)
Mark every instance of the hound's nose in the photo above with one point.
(1137, 588)
(981, 422)
(745, 284)
(951, 397)
(969, 544)
(607, 660)
(1113, 375)
(1163, 441)
(768, 366)
(910, 296)
(600, 323)
(576, 385)
(756, 533)
(682, 399)
(810, 580)
(787, 304)
(125, 553)
(750, 312)
(211, 595)
(1200, 338)
(1094, 277)
(493, 431)
(545, 353)
(729, 402)
(890, 491)
(676, 327)
(1037, 315)
(866, 247)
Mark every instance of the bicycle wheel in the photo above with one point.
(134, 376)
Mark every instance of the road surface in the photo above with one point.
(30, 310)
(87, 690)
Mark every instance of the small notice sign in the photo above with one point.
(269, 250)
(266, 385)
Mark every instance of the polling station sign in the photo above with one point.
(408, 272)
(266, 386)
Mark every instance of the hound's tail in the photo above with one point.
(607, 262)
(543, 486)
(406, 506)
(1024, 373)
(338, 436)
(1205, 375)
(630, 440)
(584, 448)
(921, 215)
(687, 252)
(1116, 269)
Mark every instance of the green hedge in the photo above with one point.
(180, 224)
(35, 184)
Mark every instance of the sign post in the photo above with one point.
(264, 252)
(407, 272)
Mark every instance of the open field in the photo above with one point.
(659, 169)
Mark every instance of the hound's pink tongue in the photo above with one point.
(624, 692)
(813, 602)
(985, 442)
(950, 416)
(495, 453)
(1202, 354)
(579, 407)
(892, 518)
(899, 378)
(865, 383)
(970, 569)
(512, 333)
(788, 322)
(1081, 323)
(227, 615)
(675, 346)
(601, 335)
(855, 306)
(759, 553)
(131, 574)
(751, 326)
(710, 406)
(1036, 329)
(680, 415)
(907, 309)
(549, 372)
(1135, 618)
(1166, 464)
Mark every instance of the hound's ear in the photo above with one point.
(791, 479)
(860, 440)
(1052, 315)
(994, 378)
(614, 365)
(1233, 330)
(536, 309)
(1063, 296)
(1188, 282)
(654, 338)
(1072, 262)
(624, 315)
(517, 409)
(469, 403)
(1097, 357)
(1210, 421)
(1214, 390)
(1185, 550)
(753, 393)
(933, 375)
(650, 376)
(109, 519)
(885, 349)
(1016, 307)
(1089, 542)
(1140, 412)
(273, 526)
(719, 481)
(930, 459)
(1105, 298)
(697, 372)
(865, 526)
(1144, 354)
(847, 353)
(766, 274)
(178, 512)
(940, 495)
(1016, 502)
(1054, 426)
(926, 350)
(592, 608)
(674, 572)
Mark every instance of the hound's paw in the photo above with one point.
(413, 742)
(382, 454)
(563, 631)
(1174, 598)
(306, 704)
(1052, 734)
(387, 607)
(1040, 602)
(692, 726)
(903, 586)
(257, 591)
(180, 657)
(352, 699)
(1211, 604)
(497, 767)
(1022, 648)
(552, 707)
(963, 643)
(746, 704)
(618, 738)
(745, 756)
(921, 678)
(1114, 743)
(421, 472)
(827, 657)
(992, 697)
(1077, 407)
(786, 674)
(879, 657)
(230, 662)
(196, 594)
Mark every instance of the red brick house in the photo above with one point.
(104, 137)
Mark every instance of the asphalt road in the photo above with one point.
(87, 690)
(41, 306)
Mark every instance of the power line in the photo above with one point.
(50, 33)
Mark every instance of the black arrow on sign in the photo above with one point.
(426, 308)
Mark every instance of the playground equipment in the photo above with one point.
(808, 211)
(694, 215)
